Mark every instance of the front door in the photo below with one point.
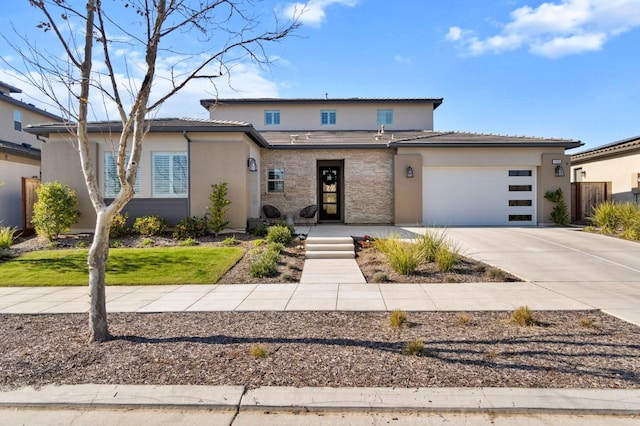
(330, 191)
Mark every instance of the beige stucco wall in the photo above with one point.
(548, 181)
(408, 191)
(11, 174)
(348, 117)
(368, 182)
(618, 170)
(224, 160)
(61, 162)
(7, 131)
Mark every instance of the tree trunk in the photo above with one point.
(97, 261)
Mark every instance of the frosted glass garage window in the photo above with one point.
(111, 181)
(170, 174)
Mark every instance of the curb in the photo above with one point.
(323, 399)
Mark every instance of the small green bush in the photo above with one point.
(190, 228)
(618, 218)
(277, 247)
(149, 225)
(431, 242)
(188, 242)
(218, 207)
(7, 235)
(258, 243)
(265, 266)
(605, 216)
(259, 351)
(560, 212)
(404, 257)
(261, 231)
(279, 234)
(147, 242)
(119, 226)
(55, 211)
(380, 277)
(230, 241)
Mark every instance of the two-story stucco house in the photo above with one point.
(390, 166)
(19, 154)
(617, 162)
(361, 161)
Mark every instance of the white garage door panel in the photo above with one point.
(474, 196)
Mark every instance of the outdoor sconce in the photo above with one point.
(559, 171)
(409, 171)
(251, 163)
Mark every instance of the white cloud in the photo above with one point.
(312, 13)
(403, 60)
(555, 29)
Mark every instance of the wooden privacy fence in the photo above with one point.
(29, 198)
(587, 195)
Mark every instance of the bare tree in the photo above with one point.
(212, 35)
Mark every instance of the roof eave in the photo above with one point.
(563, 144)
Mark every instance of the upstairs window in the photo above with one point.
(17, 121)
(170, 174)
(385, 117)
(272, 118)
(328, 117)
(111, 181)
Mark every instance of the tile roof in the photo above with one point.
(23, 150)
(615, 148)
(415, 138)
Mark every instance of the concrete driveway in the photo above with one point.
(600, 271)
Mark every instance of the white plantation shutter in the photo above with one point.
(111, 181)
(170, 174)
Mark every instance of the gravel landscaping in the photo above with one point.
(565, 350)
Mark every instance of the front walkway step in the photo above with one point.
(330, 248)
(330, 240)
(330, 254)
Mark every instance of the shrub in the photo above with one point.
(147, 242)
(230, 241)
(218, 207)
(523, 316)
(149, 225)
(380, 277)
(261, 231)
(188, 242)
(259, 243)
(6, 236)
(119, 226)
(414, 347)
(265, 266)
(398, 318)
(279, 234)
(605, 216)
(560, 212)
(287, 225)
(447, 257)
(463, 318)
(277, 247)
(190, 228)
(259, 351)
(55, 211)
(587, 323)
(81, 244)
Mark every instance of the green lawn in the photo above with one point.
(175, 265)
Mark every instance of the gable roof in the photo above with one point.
(616, 148)
(158, 125)
(406, 139)
(4, 97)
(206, 103)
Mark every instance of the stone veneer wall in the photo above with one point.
(368, 182)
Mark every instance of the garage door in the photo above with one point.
(478, 196)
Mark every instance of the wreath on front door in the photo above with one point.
(329, 178)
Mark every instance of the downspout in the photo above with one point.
(184, 134)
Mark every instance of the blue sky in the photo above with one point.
(560, 68)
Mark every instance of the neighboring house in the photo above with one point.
(617, 162)
(19, 155)
(362, 161)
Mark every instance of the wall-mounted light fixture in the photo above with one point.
(583, 173)
(559, 171)
(409, 171)
(251, 163)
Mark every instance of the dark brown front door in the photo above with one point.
(330, 191)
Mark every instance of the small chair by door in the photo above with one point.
(308, 213)
(271, 213)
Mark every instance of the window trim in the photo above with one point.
(17, 120)
(272, 115)
(272, 187)
(172, 193)
(331, 117)
(382, 119)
